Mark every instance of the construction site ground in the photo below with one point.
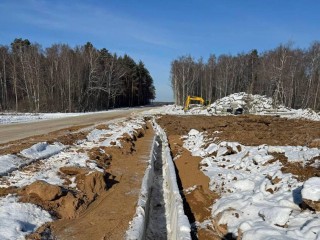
(106, 201)
(112, 206)
(249, 130)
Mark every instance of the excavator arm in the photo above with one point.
(192, 98)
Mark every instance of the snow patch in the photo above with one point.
(20, 219)
(9, 163)
(276, 215)
(256, 197)
(42, 150)
(311, 189)
(253, 104)
(178, 226)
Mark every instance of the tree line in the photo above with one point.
(65, 79)
(291, 76)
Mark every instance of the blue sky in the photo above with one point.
(157, 32)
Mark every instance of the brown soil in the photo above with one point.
(101, 155)
(9, 190)
(106, 201)
(201, 198)
(248, 130)
(300, 171)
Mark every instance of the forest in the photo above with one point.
(64, 79)
(291, 76)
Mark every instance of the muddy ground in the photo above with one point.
(248, 130)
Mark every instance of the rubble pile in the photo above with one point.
(248, 102)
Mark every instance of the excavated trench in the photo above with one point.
(160, 213)
(186, 207)
(156, 219)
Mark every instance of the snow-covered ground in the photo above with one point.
(257, 198)
(253, 104)
(19, 219)
(9, 163)
(44, 161)
(8, 118)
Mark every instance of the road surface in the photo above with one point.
(18, 131)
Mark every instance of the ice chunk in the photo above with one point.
(42, 150)
(276, 215)
(276, 149)
(9, 163)
(244, 185)
(311, 189)
(193, 132)
(211, 148)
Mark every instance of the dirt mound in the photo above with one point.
(92, 184)
(66, 203)
(200, 201)
(88, 199)
(101, 155)
(73, 170)
(44, 190)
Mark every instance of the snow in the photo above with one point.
(43, 162)
(9, 118)
(115, 132)
(49, 170)
(51, 157)
(14, 117)
(20, 219)
(276, 215)
(311, 189)
(253, 104)
(178, 226)
(42, 150)
(261, 105)
(244, 185)
(10, 163)
(136, 226)
(296, 153)
(250, 200)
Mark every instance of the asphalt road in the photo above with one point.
(12, 132)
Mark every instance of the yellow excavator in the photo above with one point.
(194, 98)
